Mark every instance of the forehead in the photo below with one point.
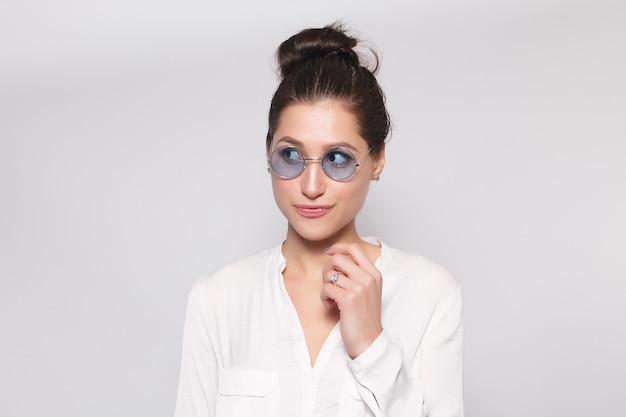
(319, 125)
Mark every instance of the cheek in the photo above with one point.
(352, 194)
(276, 188)
(282, 190)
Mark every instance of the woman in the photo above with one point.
(327, 323)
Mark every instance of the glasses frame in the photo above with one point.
(320, 159)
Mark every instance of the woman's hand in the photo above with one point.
(357, 294)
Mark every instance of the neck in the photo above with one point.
(307, 256)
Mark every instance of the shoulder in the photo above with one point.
(401, 261)
(406, 271)
(242, 274)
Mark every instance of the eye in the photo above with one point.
(339, 158)
(290, 155)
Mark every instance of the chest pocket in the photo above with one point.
(244, 393)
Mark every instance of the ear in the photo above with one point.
(379, 163)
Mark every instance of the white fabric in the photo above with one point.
(244, 352)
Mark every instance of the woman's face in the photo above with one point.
(316, 206)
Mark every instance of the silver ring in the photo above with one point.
(333, 278)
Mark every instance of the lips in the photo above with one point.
(312, 211)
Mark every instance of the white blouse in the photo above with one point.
(244, 352)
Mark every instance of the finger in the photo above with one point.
(340, 280)
(356, 252)
(333, 294)
(341, 263)
(334, 276)
(337, 286)
(346, 265)
(329, 294)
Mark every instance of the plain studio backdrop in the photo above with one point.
(132, 162)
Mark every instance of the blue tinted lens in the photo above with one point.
(339, 164)
(287, 162)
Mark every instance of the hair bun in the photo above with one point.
(311, 44)
(323, 64)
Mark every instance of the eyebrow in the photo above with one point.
(299, 144)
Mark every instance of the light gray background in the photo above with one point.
(119, 125)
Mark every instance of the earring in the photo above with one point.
(377, 178)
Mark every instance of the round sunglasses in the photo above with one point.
(338, 163)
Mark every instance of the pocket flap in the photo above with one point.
(247, 383)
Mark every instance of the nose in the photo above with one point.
(313, 179)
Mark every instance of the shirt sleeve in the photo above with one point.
(442, 358)
(198, 375)
(384, 382)
(378, 371)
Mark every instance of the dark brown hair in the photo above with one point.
(319, 64)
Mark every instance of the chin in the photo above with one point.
(317, 232)
(311, 235)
